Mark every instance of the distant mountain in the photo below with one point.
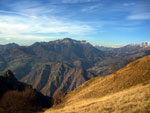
(127, 48)
(132, 47)
(118, 92)
(119, 57)
(143, 44)
(51, 78)
(16, 96)
(77, 53)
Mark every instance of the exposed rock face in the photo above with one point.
(54, 77)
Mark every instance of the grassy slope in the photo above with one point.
(136, 99)
(117, 92)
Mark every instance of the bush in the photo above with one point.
(58, 97)
(19, 102)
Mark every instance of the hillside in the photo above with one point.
(133, 100)
(120, 91)
(50, 78)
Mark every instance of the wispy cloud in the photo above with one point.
(129, 4)
(77, 1)
(141, 16)
(33, 19)
(12, 12)
(33, 8)
(16, 25)
(91, 8)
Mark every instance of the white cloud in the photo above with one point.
(17, 26)
(30, 17)
(12, 12)
(142, 16)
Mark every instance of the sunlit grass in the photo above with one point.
(135, 99)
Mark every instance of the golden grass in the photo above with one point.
(133, 100)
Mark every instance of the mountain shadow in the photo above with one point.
(18, 97)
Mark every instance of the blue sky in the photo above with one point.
(100, 22)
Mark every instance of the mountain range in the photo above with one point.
(74, 73)
(129, 47)
(119, 57)
(76, 53)
(62, 65)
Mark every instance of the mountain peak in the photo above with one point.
(9, 74)
(84, 42)
(69, 40)
(145, 44)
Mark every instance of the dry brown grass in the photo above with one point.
(133, 100)
(119, 92)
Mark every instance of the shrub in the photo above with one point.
(19, 102)
(58, 97)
